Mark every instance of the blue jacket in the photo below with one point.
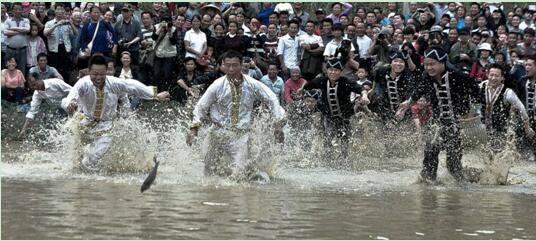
(104, 41)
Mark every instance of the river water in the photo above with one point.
(44, 196)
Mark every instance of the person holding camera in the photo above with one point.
(58, 33)
(381, 47)
(341, 48)
(165, 37)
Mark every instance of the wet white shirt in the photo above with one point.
(217, 103)
(55, 91)
(84, 94)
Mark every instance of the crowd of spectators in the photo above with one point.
(177, 46)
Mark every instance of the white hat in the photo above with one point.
(485, 46)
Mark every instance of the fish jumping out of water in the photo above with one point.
(152, 176)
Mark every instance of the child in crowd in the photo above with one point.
(36, 45)
(421, 113)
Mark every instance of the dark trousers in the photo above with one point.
(13, 95)
(447, 139)
(162, 73)
(20, 57)
(61, 61)
(336, 128)
(525, 142)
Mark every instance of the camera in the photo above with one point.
(381, 36)
(344, 49)
(520, 62)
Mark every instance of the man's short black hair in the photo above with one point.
(499, 67)
(293, 21)
(327, 20)
(531, 57)
(97, 60)
(338, 27)
(35, 75)
(231, 54)
(147, 12)
(42, 55)
(529, 31)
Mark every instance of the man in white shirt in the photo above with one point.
(16, 30)
(335, 43)
(228, 104)
(287, 48)
(363, 41)
(49, 90)
(97, 97)
(311, 56)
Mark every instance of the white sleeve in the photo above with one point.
(327, 51)
(511, 98)
(133, 87)
(73, 95)
(270, 99)
(203, 105)
(320, 42)
(281, 46)
(35, 105)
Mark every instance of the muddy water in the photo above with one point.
(82, 209)
(366, 197)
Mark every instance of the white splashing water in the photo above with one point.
(372, 164)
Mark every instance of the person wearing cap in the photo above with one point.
(478, 70)
(228, 105)
(336, 106)
(526, 91)
(320, 15)
(450, 94)
(393, 84)
(15, 29)
(49, 90)
(463, 47)
(129, 34)
(305, 120)
(338, 9)
(497, 101)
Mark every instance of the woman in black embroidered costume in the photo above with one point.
(335, 105)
